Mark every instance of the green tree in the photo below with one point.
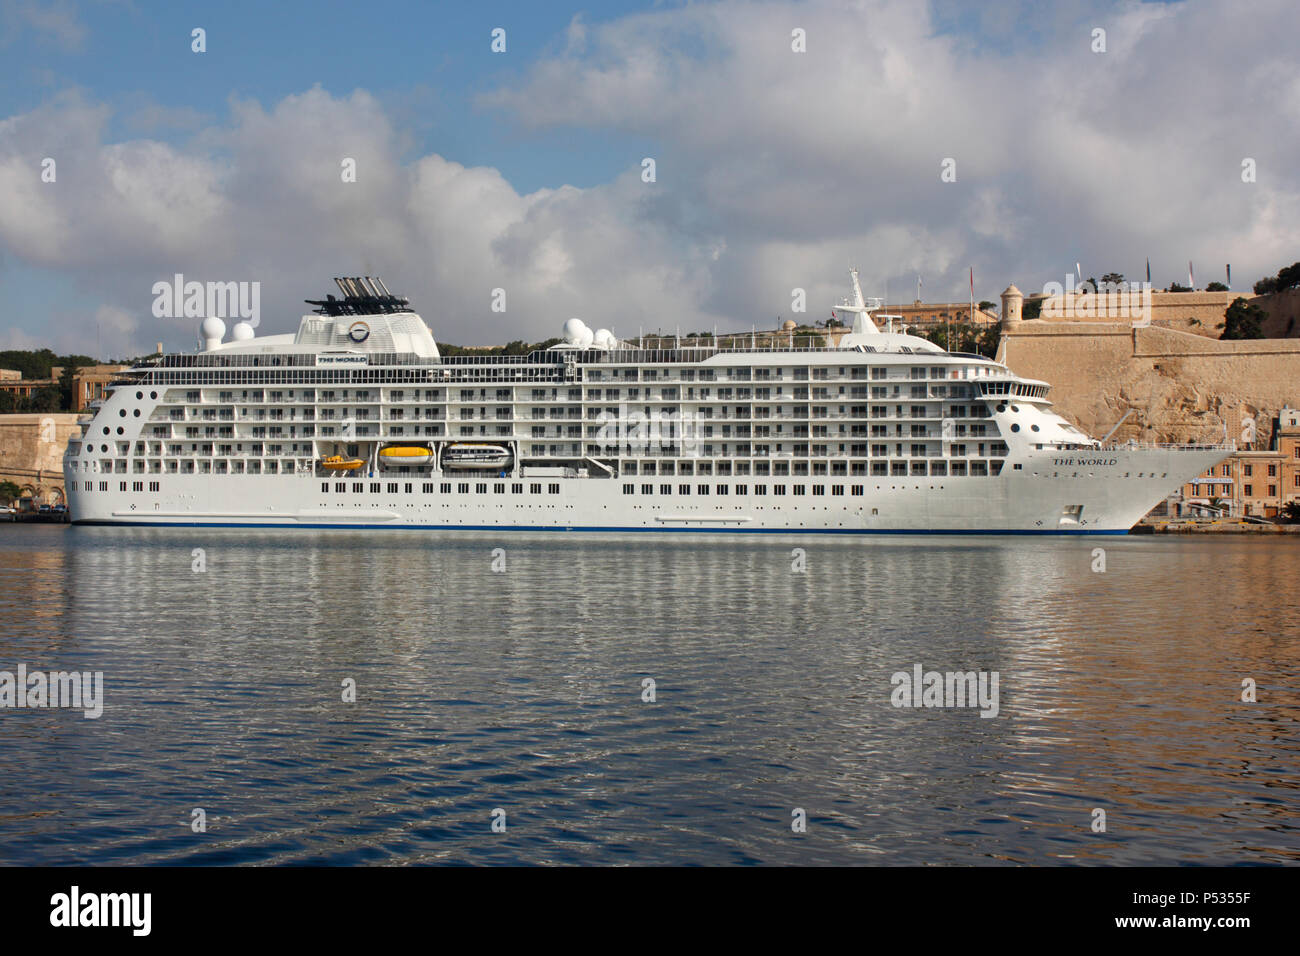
(1291, 512)
(1031, 310)
(1289, 277)
(9, 492)
(1242, 320)
(987, 345)
(1266, 285)
(1177, 287)
(1216, 287)
(985, 304)
(1114, 278)
(47, 399)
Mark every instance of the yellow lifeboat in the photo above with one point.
(339, 463)
(406, 455)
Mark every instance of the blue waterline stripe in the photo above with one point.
(610, 529)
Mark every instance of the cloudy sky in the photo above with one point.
(775, 168)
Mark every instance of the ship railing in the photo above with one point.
(1228, 446)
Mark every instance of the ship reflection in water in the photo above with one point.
(524, 689)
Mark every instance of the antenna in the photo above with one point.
(857, 289)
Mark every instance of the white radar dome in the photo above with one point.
(242, 332)
(577, 333)
(604, 339)
(212, 331)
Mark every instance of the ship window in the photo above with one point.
(341, 486)
(703, 489)
(499, 488)
(554, 488)
(799, 489)
(445, 487)
(480, 487)
(665, 489)
(408, 487)
(647, 489)
(517, 488)
(374, 487)
(535, 489)
(358, 487)
(629, 489)
(1015, 427)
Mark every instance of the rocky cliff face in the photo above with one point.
(1179, 386)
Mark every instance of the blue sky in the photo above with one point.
(427, 62)
(776, 169)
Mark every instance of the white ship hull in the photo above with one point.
(1031, 500)
(880, 433)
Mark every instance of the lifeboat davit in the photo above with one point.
(465, 456)
(406, 455)
(339, 463)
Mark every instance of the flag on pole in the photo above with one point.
(1148, 270)
(1078, 273)
(1191, 278)
(1229, 268)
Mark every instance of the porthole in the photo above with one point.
(153, 394)
(105, 429)
(1015, 408)
(122, 412)
(139, 395)
(1015, 427)
(120, 429)
(136, 413)
(1031, 427)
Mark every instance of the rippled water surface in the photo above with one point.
(522, 690)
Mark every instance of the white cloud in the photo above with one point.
(263, 199)
(775, 170)
(50, 20)
(1061, 153)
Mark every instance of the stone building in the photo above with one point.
(31, 453)
(1172, 385)
(88, 382)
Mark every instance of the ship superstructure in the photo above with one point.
(357, 420)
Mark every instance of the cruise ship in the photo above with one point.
(357, 421)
